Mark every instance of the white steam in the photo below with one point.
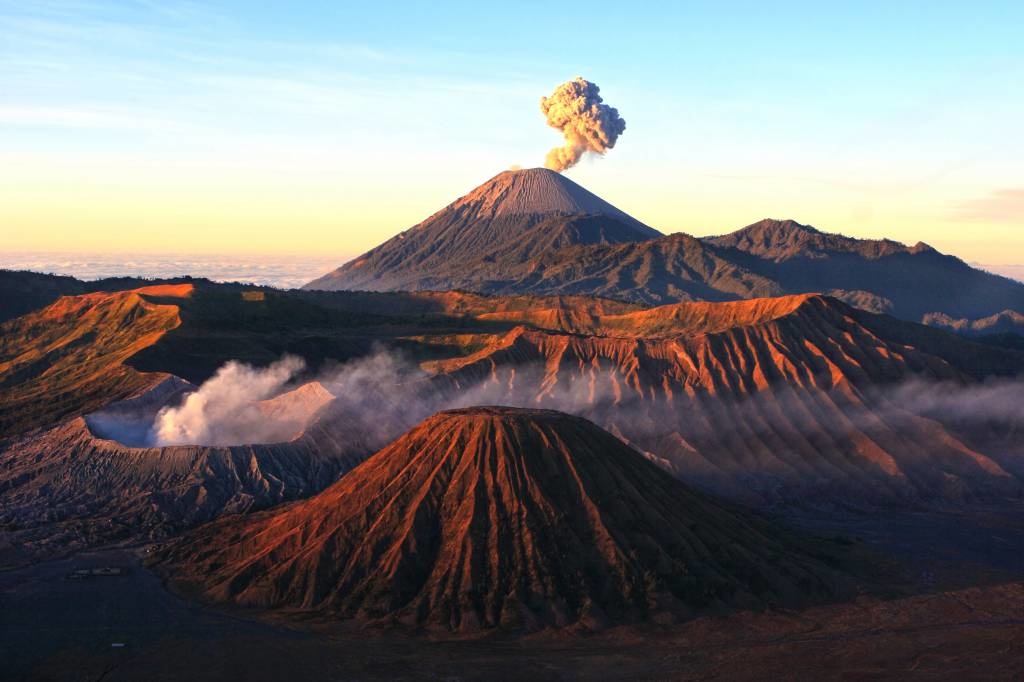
(375, 398)
(226, 409)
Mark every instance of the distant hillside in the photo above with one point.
(1007, 321)
(22, 291)
(917, 280)
(536, 232)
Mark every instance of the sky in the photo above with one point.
(325, 128)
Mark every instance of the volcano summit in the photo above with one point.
(500, 517)
(509, 218)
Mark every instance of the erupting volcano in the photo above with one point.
(530, 432)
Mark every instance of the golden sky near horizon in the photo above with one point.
(253, 211)
(226, 127)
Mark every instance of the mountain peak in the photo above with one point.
(411, 535)
(781, 240)
(771, 237)
(521, 207)
(788, 224)
(540, 192)
(776, 229)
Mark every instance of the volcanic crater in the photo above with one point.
(284, 417)
(100, 478)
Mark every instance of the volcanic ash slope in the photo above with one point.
(495, 517)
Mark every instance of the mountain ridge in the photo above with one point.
(511, 245)
(785, 401)
(781, 240)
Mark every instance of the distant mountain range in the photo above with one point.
(1015, 272)
(535, 231)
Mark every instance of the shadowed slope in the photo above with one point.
(69, 357)
(795, 401)
(916, 280)
(491, 517)
(535, 208)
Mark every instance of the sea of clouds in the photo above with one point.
(286, 271)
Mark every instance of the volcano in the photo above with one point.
(536, 232)
(98, 479)
(534, 207)
(501, 517)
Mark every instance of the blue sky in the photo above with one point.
(299, 127)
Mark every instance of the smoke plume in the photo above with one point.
(379, 396)
(589, 125)
(225, 409)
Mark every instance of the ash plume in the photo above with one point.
(588, 124)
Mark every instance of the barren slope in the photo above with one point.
(799, 400)
(535, 207)
(499, 517)
(70, 357)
